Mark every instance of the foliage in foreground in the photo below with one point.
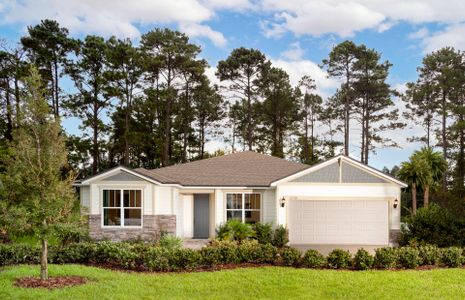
(155, 257)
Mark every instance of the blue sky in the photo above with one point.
(295, 34)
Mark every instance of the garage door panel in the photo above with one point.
(338, 222)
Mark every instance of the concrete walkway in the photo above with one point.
(195, 243)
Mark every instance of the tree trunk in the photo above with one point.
(43, 260)
(426, 196)
(9, 113)
(55, 82)
(346, 112)
(444, 138)
(249, 116)
(414, 199)
(95, 150)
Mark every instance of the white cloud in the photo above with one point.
(117, 17)
(295, 52)
(453, 36)
(198, 30)
(298, 68)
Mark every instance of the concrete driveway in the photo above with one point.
(325, 249)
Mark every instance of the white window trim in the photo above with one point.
(121, 207)
(243, 210)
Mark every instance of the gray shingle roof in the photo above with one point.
(246, 168)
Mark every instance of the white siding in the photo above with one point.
(163, 200)
(188, 216)
(269, 207)
(220, 215)
(84, 197)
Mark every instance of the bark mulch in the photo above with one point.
(51, 283)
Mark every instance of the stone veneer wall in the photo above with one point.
(394, 236)
(152, 226)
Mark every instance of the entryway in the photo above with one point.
(201, 216)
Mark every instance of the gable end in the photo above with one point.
(123, 176)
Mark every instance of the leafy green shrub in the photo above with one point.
(268, 254)
(433, 225)
(169, 241)
(363, 260)
(116, 254)
(290, 256)
(452, 256)
(83, 252)
(249, 251)
(227, 250)
(234, 230)
(409, 257)
(339, 259)
(210, 256)
(280, 236)
(429, 255)
(386, 258)
(313, 259)
(71, 233)
(157, 259)
(184, 259)
(263, 232)
(19, 254)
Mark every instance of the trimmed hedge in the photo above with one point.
(153, 257)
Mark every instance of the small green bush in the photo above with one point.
(263, 232)
(210, 256)
(280, 236)
(83, 252)
(363, 260)
(184, 259)
(157, 259)
(11, 254)
(386, 258)
(429, 255)
(313, 259)
(169, 241)
(227, 250)
(452, 257)
(290, 256)
(409, 257)
(71, 233)
(249, 251)
(339, 259)
(268, 254)
(234, 230)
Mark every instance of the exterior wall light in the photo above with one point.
(396, 203)
(282, 201)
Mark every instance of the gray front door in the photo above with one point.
(201, 216)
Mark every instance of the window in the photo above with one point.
(122, 208)
(244, 207)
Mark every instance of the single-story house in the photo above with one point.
(337, 202)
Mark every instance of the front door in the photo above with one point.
(201, 216)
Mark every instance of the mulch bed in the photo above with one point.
(51, 283)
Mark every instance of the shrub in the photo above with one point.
(363, 260)
(227, 250)
(280, 236)
(386, 258)
(409, 257)
(82, 252)
(339, 259)
(433, 225)
(249, 251)
(18, 254)
(210, 256)
(234, 230)
(267, 254)
(263, 232)
(183, 259)
(313, 259)
(452, 257)
(169, 241)
(71, 233)
(429, 255)
(116, 254)
(157, 259)
(290, 256)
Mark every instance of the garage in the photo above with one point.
(335, 221)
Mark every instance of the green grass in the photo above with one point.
(265, 282)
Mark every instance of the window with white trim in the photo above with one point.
(122, 208)
(245, 207)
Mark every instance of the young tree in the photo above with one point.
(243, 69)
(37, 198)
(88, 73)
(48, 46)
(435, 164)
(341, 64)
(279, 110)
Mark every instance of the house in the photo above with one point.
(337, 202)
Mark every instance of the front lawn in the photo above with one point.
(264, 282)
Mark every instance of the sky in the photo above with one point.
(295, 35)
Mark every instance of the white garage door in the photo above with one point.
(355, 222)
